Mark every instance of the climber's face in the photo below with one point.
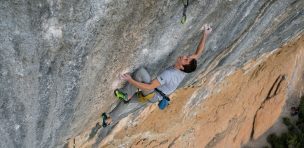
(183, 60)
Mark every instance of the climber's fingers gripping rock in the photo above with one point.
(207, 29)
(125, 76)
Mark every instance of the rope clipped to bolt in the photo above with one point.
(184, 18)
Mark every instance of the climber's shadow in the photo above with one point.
(120, 111)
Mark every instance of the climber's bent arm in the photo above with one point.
(145, 86)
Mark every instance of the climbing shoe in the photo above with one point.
(121, 96)
(104, 117)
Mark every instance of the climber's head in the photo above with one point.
(186, 63)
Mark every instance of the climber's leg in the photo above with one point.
(141, 75)
(122, 109)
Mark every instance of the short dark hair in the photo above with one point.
(190, 67)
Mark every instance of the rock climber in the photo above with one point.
(165, 83)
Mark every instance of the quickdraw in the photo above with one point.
(184, 17)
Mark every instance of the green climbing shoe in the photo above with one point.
(120, 95)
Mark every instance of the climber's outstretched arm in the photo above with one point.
(143, 86)
(207, 29)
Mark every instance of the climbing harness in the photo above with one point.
(184, 17)
(162, 104)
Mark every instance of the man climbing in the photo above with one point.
(166, 83)
(168, 80)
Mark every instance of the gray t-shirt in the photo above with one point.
(170, 79)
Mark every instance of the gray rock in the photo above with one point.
(59, 59)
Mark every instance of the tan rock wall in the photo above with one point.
(250, 101)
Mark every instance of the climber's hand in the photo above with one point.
(126, 76)
(207, 29)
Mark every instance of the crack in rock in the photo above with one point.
(271, 93)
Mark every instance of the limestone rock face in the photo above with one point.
(243, 107)
(59, 60)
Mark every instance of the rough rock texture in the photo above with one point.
(59, 60)
(240, 108)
